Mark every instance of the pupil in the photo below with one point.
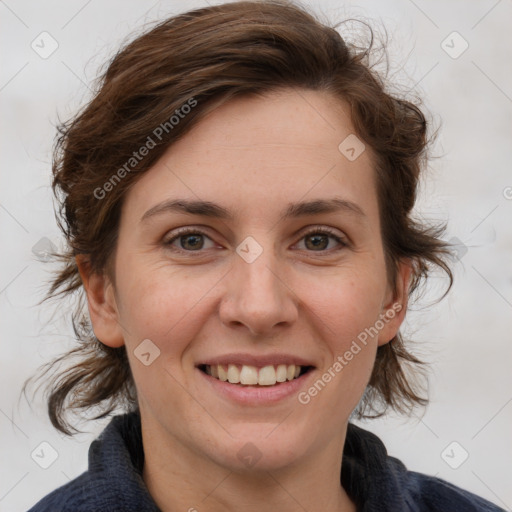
(191, 246)
(317, 240)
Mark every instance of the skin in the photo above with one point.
(252, 155)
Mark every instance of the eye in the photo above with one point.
(318, 239)
(189, 240)
(193, 240)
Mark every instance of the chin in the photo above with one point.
(260, 447)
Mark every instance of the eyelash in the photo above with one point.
(314, 231)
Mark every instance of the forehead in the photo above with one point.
(253, 154)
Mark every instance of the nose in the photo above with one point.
(258, 298)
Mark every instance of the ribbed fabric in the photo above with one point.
(375, 481)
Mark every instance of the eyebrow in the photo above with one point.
(213, 210)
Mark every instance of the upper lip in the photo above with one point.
(255, 360)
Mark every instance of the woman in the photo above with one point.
(237, 200)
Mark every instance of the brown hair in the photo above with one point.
(199, 59)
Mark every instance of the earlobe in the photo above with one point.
(393, 312)
(102, 305)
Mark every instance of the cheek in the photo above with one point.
(344, 305)
(345, 310)
(165, 309)
(164, 306)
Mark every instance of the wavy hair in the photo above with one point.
(211, 55)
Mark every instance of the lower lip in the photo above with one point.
(254, 395)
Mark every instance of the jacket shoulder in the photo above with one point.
(73, 496)
(435, 494)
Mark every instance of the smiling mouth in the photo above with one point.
(246, 375)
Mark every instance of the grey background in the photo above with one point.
(467, 337)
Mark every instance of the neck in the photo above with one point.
(179, 479)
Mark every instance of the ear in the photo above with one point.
(393, 311)
(102, 304)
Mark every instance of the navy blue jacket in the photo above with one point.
(375, 481)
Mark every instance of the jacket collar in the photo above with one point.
(372, 479)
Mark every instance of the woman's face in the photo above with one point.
(260, 279)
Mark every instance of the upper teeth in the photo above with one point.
(250, 375)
